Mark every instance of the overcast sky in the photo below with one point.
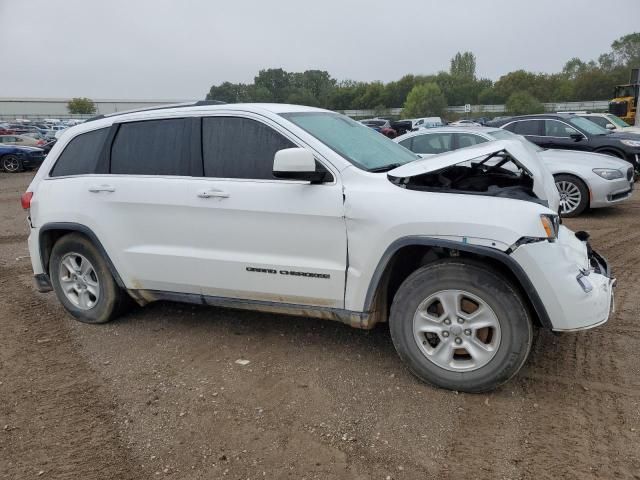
(176, 49)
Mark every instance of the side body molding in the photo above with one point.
(501, 257)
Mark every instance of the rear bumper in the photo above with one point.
(574, 283)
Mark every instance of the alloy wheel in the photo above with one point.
(10, 164)
(570, 196)
(79, 281)
(456, 330)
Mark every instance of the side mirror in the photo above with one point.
(576, 137)
(610, 126)
(296, 164)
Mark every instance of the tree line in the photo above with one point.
(520, 90)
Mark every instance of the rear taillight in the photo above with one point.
(25, 199)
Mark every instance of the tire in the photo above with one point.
(508, 342)
(11, 164)
(574, 195)
(98, 299)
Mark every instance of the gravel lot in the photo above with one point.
(158, 393)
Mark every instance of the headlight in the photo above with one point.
(608, 173)
(631, 143)
(550, 224)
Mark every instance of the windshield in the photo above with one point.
(617, 121)
(588, 126)
(360, 145)
(507, 135)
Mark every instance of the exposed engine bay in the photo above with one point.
(496, 175)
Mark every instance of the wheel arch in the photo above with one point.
(612, 151)
(407, 254)
(50, 233)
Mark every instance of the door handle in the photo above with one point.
(212, 193)
(102, 188)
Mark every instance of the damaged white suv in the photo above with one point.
(304, 211)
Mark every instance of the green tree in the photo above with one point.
(424, 100)
(521, 103)
(81, 105)
(228, 92)
(276, 81)
(463, 66)
(626, 50)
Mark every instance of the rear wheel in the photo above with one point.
(11, 164)
(460, 326)
(574, 195)
(82, 281)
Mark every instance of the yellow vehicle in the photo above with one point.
(626, 99)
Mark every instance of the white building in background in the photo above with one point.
(39, 108)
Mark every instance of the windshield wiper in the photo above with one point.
(385, 168)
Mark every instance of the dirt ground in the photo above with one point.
(158, 393)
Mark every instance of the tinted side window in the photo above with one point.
(599, 120)
(468, 139)
(240, 148)
(554, 128)
(407, 143)
(526, 127)
(80, 156)
(151, 147)
(432, 143)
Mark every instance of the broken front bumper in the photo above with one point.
(573, 281)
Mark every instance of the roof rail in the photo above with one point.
(198, 103)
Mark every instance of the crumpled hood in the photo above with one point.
(525, 156)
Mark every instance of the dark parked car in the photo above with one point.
(381, 125)
(15, 159)
(574, 133)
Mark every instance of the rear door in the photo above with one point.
(259, 237)
(141, 208)
(533, 130)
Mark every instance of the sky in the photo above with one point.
(177, 49)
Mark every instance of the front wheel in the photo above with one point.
(574, 195)
(460, 326)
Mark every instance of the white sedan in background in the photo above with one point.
(584, 179)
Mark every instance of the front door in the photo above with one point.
(258, 237)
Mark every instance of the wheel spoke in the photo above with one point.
(423, 322)
(443, 353)
(481, 318)
(479, 351)
(450, 301)
(70, 265)
(85, 267)
(83, 299)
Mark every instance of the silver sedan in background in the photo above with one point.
(584, 179)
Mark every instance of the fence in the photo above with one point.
(592, 106)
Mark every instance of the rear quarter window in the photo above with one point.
(80, 156)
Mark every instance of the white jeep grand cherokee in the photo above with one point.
(304, 211)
